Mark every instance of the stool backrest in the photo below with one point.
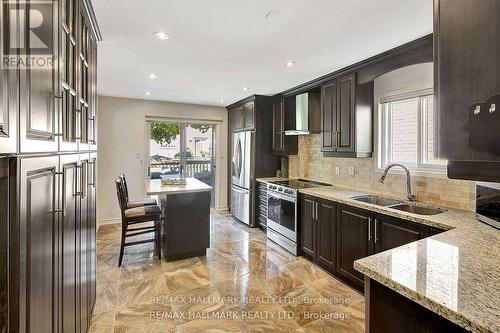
(120, 192)
(122, 176)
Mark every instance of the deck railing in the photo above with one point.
(192, 166)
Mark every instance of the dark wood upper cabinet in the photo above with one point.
(329, 117)
(249, 116)
(8, 85)
(238, 118)
(308, 226)
(38, 84)
(346, 118)
(391, 232)
(278, 125)
(346, 113)
(283, 119)
(243, 117)
(467, 85)
(354, 241)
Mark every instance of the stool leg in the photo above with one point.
(122, 246)
(157, 236)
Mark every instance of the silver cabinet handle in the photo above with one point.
(376, 234)
(316, 211)
(369, 229)
(492, 108)
(314, 205)
(477, 110)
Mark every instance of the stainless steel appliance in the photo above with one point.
(282, 211)
(488, 203)
(242, 175)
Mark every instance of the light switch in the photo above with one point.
(350, 170)
(337, 170)
(138, 156)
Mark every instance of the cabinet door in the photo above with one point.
(353, 241)
(329, 117)
(238, 118)
(249, 115)
(278, 125)
(326, 240)
(92, 110)
(4, 242)
(70, 243)
(84, 243)
(36, 242)
(91, 192)
(308, 226)
(38, 83)
(466, 61)
(69, 60)
(8, 84)
(345, 113)
(390, 232)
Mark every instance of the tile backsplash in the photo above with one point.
(309, 163)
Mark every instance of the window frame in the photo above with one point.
(384, 140)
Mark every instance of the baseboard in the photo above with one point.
(223, 209)
(108, 221)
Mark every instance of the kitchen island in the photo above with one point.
(186, 217)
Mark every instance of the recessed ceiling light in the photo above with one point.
(152, 76)
(161, 35)
(148, 93)
(221, 101)
(245, 88)
(290, 63)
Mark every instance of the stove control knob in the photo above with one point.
(280, 189)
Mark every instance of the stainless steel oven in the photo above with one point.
(282, 217)
(488, 203)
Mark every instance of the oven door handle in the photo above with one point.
(282, 197)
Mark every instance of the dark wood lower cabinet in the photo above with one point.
(52, 243)
(326, 218)
(389, 312)
(308, 226)
(336, 235)
(391, 232)
(34, 248)
(317, 230)
(4, 242)
(354, 241)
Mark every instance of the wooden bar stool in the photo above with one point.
(136, 203)
(137, 215)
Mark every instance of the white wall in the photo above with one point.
(123, 147)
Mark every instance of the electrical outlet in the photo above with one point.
(337, 170)
(350, 170)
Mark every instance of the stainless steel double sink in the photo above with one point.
(398, 204)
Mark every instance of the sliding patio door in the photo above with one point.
(183, 149)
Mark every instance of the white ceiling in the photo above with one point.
(217, 47)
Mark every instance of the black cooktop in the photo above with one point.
(299, 183)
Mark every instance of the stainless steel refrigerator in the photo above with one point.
(242, 176)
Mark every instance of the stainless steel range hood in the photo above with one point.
(301, 116)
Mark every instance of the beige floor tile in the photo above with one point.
(245, 283)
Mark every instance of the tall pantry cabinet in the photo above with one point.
(48, 145)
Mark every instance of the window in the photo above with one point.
(406, 133)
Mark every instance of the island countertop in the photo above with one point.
(155, 187)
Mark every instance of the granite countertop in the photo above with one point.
(155, 187)
(455, 274)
